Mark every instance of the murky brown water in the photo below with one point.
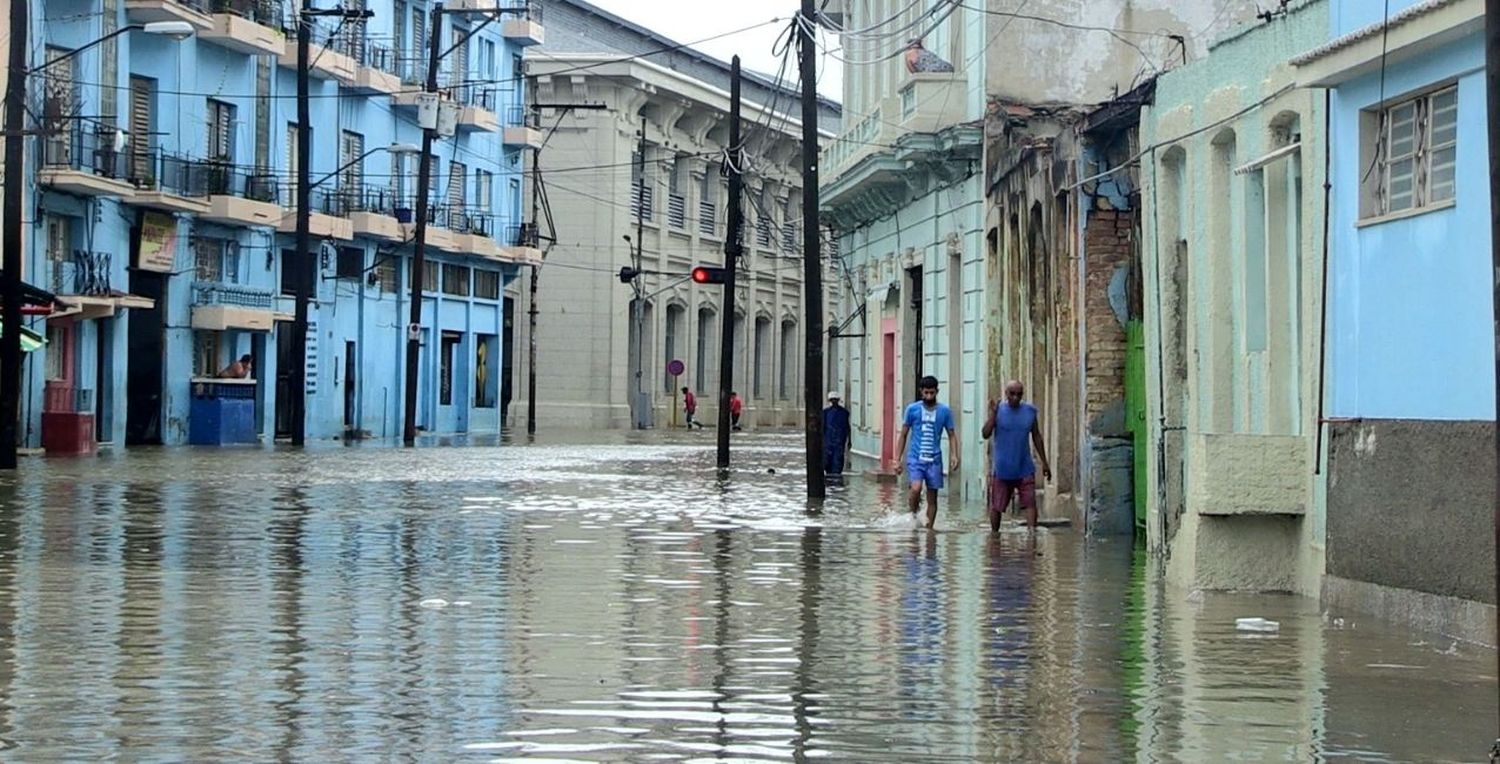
(617, 602)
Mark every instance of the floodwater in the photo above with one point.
(615, 601)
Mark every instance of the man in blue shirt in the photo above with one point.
(835, 435)
(1014, 422)
(924, 459)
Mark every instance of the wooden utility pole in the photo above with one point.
(424, 180)
(10, 240)
(735, 223)
(812, 269)
(305, 267)
(1492, 107)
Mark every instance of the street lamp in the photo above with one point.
(15, 173)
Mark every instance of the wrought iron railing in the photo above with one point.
(245, 182)
(87, 149)
(85, 273)
(382, 58)
(263, 12)
(522, 235)
(151, 170)
(239, 295)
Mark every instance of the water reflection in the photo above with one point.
(617, 600)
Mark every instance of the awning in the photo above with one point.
(30, 340)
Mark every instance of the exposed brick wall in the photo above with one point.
(1108, 244)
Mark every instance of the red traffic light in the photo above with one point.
(706, 275)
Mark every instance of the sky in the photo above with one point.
(688, 21)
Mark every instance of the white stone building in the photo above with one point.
(585, 325)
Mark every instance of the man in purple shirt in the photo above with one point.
(924, 460)
(1013, 423)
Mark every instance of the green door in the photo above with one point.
(1135, 415)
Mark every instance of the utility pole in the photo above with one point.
(732, 250)
(424, 179)
(812, 270)
(10, 240)
(642, 420)
(1492, 107)
(306, 264)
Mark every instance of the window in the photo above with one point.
(206, 353)
(57, 343)
(1411, 162)
(58, 244)
(220, 131)
(351, 263)
(908, 101)
(142, 106)
(455, 280)
(449, 349)
(676, 318)
(430, 276)
(351, 148)
(109, 63)
(262, 113)
(208, 259)
(707, 336)
(640, 188)
(676, 197)
(708, 203)
(760, 359)
(484, 189)
(398, 178)
(788, 360)
(385, 273)
(487, 284)
(457, 176)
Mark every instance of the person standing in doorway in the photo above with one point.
(736, 407)
(835, 435)
(1014, 422)
(690, 405)
(924, 458)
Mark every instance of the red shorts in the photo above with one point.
(1001, 491)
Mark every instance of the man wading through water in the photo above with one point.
(924, 460)
(1013, 422)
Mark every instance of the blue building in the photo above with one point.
(163, 190)
(1409, 408)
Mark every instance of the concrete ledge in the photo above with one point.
(1466, 620)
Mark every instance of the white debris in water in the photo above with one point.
(433, 603)
(1256, 624)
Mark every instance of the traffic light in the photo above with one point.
(705, 275)
(628, 274)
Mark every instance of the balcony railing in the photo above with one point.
(470, 220)
(520, 116)
(473, 95)
(382, 58)
(263, 12)
(412, 69)
(244, 182)
(707, 214)
(677, 211)
(151, 170)
(522, 235)
(84, 149)
(379, 199)
(238, 295)
(85, 273)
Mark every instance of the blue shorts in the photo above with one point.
(930, 473)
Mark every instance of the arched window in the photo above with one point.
(788, 372)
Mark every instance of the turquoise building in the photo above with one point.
(162, 183)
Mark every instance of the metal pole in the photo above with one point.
(15, 173)
(812, 271)
(732, 250)
(1492, 103)
(424, 179)
(305, 267)
(641, 419)
(536, 268)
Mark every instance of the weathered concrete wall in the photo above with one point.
(1410, 505)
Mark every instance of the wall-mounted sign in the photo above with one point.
(158, 243)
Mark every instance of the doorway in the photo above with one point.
(888, 401)
(285, 354)
(103, 378)
(143, 383)
(351, 387)
(915, 329)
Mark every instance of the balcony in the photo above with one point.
(217, 306)
(521, 128)
(522, 244)
(252, 27)
(478, 108)
(437, 235)
(146, 11)
(378, 71)
(241, 196)
(329, 218)
(83, 161)
(168, 183)
(84, 280)
(474, 233)
(373, 212)
(526, 31)
(338, 61)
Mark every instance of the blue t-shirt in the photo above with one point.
(1010, 456)
(927, 428)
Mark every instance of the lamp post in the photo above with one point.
(14, 181)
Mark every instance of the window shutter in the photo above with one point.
(140, 127)
(456, 177)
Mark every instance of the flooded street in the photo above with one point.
(614, 601)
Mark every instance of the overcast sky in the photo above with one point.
(688, 21)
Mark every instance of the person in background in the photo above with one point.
(736, 407)
(690, 405)
(835, 435)
(924, 461)
(1014, 422)
(240, 369)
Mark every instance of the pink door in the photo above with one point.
(888, 395)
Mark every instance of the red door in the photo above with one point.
(888, 394)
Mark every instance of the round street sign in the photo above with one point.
(675, 367)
